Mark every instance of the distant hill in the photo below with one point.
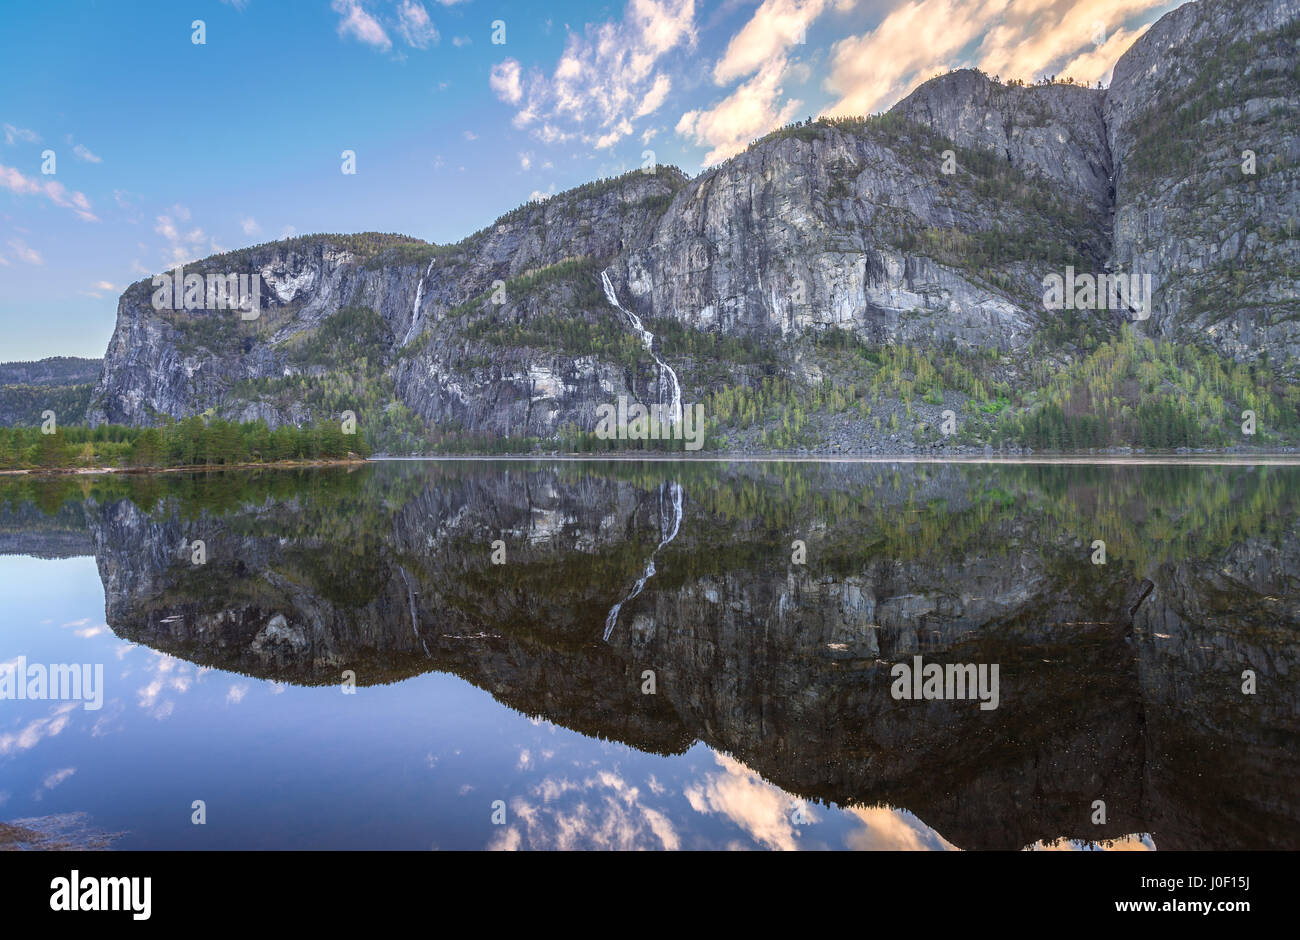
(56, 370)
(61, 384)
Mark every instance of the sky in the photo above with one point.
(129, 145)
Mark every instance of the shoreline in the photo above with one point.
(1180, 460)
(1068, 459)
(188, 468)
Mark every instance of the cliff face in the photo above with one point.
(420, 299)
(798, 235)
(1055, 133)
(1217, 228)
(855, 226)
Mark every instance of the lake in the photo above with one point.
(480, 654)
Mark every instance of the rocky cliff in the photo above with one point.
(1201, 123)
(932, 226)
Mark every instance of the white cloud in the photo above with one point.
(459, 41)
(181, 246)
(37, 730)
(526, 161)
(236, 694)
(56, 192)
(655, 96)
(748, 112)
(250, 226)
(170, 675)
(613, 135)
(84, 153)
(359, 24)
(11, 178)
(761, 52)
(1023, 39)
(504, 81)
(607, 77)
(749, 801)
(914, 41)
(601, 812)
(414, 25)
(20, 133)
(1097, 63)
(24, 253)
(1133, 842)
(538, 196)
(775, 26)
(469, 135)
(892, 830)
(56, 778)
(75, 201)
(1033, 39)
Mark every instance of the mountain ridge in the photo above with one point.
(857, 233)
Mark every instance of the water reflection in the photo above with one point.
(771, 722)
(670, 521)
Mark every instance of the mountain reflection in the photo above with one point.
(1120, 682)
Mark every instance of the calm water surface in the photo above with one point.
(520, 689)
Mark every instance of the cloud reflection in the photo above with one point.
(775, 820)
(599, 812)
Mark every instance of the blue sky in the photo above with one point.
(168, 150)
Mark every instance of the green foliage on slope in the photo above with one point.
(1176, 133)
(23, 405)
(194, 441)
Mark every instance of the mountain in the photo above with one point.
(61, 384)
(838, 286)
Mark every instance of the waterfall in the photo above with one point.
(667, 532)
(647, 340)
(415, 620)
(415, 311)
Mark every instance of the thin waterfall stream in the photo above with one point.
(647, 340)
(667, 532)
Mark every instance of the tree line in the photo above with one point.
(193, 441)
